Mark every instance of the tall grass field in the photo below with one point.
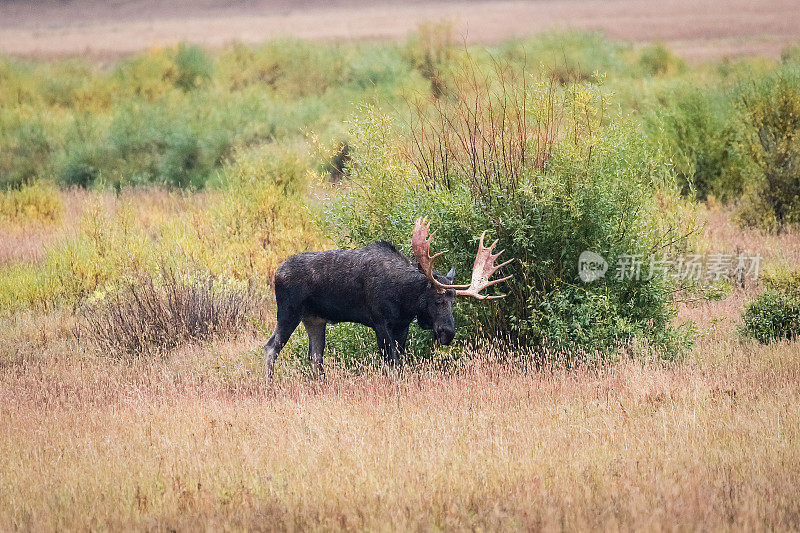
(146, 203)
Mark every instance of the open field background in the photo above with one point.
(695, 30)
(150, 189)
(199, 440)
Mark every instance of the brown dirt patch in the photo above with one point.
(698, 30)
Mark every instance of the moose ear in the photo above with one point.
(450, 275)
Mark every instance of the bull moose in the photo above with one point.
(376, 286)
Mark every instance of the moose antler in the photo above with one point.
(482, 270)
(421, 246)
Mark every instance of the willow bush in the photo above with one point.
(770, 113)
(549, 174)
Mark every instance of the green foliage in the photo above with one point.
(656, 60)
(784, 281)
(262, 218)
(431, 50)
(242, 233)
(353, 348)
(287, 67)
(193, 67)
(373, 66)
(156, 144)
(576, 176)
(66, 85)
(594, 188)
(569, 57)
(773, 315)
(27, 158)
(171, 117)
(739, 144)
(81, 168)
(697, 130)
(770, 109)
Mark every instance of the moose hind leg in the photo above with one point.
(315, 327)
(287, 323)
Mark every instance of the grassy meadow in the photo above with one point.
(147, 201)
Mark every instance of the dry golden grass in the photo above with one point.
(717, 320)
(200, 440)
(721, 234)
(26, 240)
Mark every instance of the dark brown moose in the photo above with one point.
(376, 286)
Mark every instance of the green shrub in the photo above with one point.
(288, 67)
(773, 315)
(64, 81)
(152, 144)
(149, 76)
(375, 65)
(570, 57)
(168, 116)
(182, 164)
(770, 109)
(353, 348)
(157, 72)
(29, 156)
(336, 162)
(696, 129)
(193, 67)
(430, 50)
(656, 60)
(262, 218)
(546, 196)
(172, 116)
(784, 281)
(241, 232)
(81, 168)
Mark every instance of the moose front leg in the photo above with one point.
(400, 334)
(386, 344)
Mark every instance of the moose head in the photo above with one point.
(437, 312)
